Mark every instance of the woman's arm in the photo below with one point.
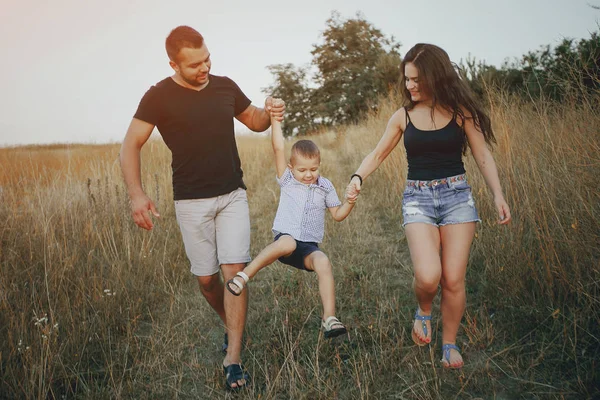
(387, 143)
(487, 166)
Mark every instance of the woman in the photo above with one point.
(441, 118)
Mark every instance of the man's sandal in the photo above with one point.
(423, 319)
(237, 283)
(234, 373)
(446, 355)
(329, 330)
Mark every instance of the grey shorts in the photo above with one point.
(439, 202)
(215, 231)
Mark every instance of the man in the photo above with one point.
(193, 111)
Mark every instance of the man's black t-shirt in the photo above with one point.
(197, 126)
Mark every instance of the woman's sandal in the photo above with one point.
(446, 355)
(225, 344)
(423, 319)
(237, 283)
(234, 373)
(328, 329)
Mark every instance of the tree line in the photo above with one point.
(356, 65)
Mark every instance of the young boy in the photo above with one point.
(300, 223)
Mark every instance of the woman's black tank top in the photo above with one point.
(434, 154)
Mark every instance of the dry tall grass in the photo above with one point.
(93, 307)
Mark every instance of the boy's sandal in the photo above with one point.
(446, 355)
(234, 373)
(237, 282)
(330, 331)
(423, 319)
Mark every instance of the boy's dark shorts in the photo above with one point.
(303, 249)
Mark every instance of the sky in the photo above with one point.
(74, 71)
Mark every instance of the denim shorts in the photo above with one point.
(303, 249)
(439, 202)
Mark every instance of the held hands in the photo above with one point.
(503, 210)
(275, 107)
(140, 205)
(353, 190)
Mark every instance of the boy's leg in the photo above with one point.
(317, 261)
(282, 247)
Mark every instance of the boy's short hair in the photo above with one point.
(305, 148)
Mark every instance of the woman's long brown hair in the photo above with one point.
(439, 80)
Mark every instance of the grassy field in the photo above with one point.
(93, 307)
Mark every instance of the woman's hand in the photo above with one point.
(353, 189)
(503, 210)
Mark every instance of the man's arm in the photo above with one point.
(259, 119)
(138, 133)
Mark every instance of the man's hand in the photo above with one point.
(140, 205)
(275, 107)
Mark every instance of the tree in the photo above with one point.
(356, 65)
(568, 70)
(291, 85)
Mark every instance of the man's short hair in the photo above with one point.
(305, 148)
(180, 37)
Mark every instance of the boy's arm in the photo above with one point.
(278, 144)
(340, 213)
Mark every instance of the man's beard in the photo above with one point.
(194, 82)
